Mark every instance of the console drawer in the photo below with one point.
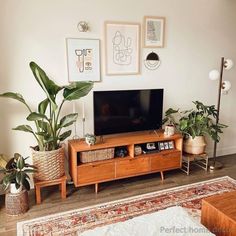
(94, 173)
(165, 161)
(132, 166)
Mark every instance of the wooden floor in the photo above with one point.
(85, 196)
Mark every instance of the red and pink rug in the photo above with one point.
(80, 220)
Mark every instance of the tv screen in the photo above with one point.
(127, 111)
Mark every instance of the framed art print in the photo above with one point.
(153, 32)
(83, 59)
(122, 45)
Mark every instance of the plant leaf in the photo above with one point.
(49, 87)
(43, 106)
(36, 116)
(26, 184)
(20, 164)
(77, 90)
(68, 120)
(25, 128)
(15, 96)
(65, 135)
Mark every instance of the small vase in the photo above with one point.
(169, 130)
(14, 190)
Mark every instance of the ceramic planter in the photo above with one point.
(195, 145)
(14, 190)
(169, 130)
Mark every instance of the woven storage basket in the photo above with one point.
(50, 164)
(97, 155)
(17, 203)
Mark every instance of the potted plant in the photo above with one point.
(16, 179)
(170, 121)
(16, 176)
(48, 154)
(194, 124)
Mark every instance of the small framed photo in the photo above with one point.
(161, 146)
(122, 48)
(153, 32)
(166, 145)
(171, 145)
(83, 59)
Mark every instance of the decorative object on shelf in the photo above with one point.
(97, 155)
(16, 179)
(121, 151)
(171, 144)
(122, 44)
(153, 32)
(170, 122)
(169, 130)
(161, 146)
(167, 145)
(83, 26)
(83, 59)
(90, 139)
(152, 61)
(48, 122)
(137, 150)
(224, 86)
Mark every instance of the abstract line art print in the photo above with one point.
(83, 59)
(122, 44)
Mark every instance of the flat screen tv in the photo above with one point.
(127, 110)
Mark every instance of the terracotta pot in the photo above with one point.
(195, 145)
(50, 164)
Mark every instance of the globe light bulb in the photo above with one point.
(214, 75)
(226, 86)
(228, 64)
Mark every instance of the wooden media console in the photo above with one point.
(123, 167)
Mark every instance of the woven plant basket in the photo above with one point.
(50, 164)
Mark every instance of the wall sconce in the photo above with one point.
(83, 26)
(224, 87)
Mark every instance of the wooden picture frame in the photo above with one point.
(83, 59)
(153, 32)
(122, 48)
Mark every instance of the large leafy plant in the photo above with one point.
(198, 121)
(16, 172)
(48, 123)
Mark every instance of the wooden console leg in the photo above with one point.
(63, 189)
(38, 194)
(162, 176)
(96, 188)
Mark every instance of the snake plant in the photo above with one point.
(49, 124)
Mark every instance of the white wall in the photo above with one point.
(198, 33)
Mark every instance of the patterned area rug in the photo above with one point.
(77, 221)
